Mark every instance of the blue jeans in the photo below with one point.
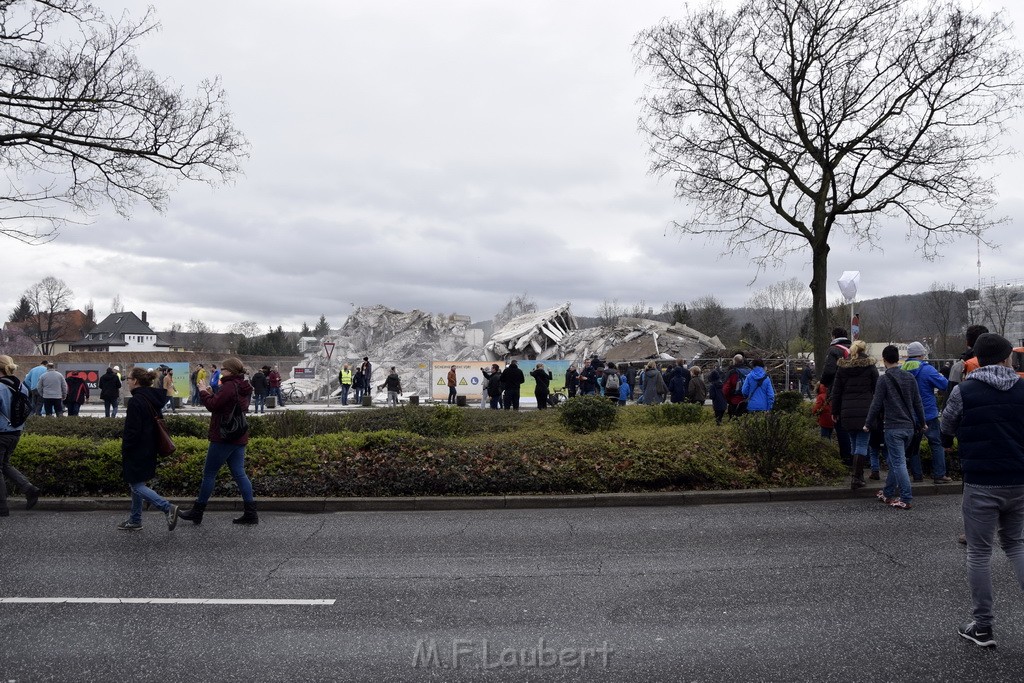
(826, 433)
(859, 442)
(344, 394)
(142, 492)
(938, 453)
(110, 407)
(216, 455)
(874, 456)
(896, 443)
(988, 511)
(260, 403)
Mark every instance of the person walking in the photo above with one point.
(655, 388)
(139, 448)
(110, 392)
(453, 381)
(985, 413)
(10, 434)
(223, 449)
(852, 392)
(542, 378)
(928, 380)
(393, 384)
(758, 388)
(899, 401)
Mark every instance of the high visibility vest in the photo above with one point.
(346, 376)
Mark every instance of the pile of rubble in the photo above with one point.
(410, 340)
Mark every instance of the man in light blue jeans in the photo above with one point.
(986, 414)
(899, 400)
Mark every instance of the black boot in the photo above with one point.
(31, 498)
(194, 514)
(858, 472)
(249, 515)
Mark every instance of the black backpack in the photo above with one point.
(21, 405)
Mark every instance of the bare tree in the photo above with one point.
(116, 305)
(517, 305)
(779, 310)
(787, 119)
(84, 123)
(246, 328)
(1001, 305)
(709, 316)
(676, 311)
(49, 298)
(887, 320)
(609, 312)
(944, 309)
(201, 334)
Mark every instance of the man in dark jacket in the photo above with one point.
(511, 379)
(259, 391)
(679, 381)
(897, 396)
(493, 379)
(110, 392)
(986, 414)
(572, 380)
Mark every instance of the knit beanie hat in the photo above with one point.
(916, 350)
(234, 366)
(991, 349)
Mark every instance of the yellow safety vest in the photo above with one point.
(346, 377)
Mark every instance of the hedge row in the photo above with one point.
(493, 453)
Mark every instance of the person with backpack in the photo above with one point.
(225, 447)
(15, 407)
(758, 388)
(732, 389)
(611, 382)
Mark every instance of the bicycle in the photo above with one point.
(293, 394)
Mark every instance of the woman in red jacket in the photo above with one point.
(234, 390)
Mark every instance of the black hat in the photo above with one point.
(991, 349)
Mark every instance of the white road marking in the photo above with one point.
(165, 601)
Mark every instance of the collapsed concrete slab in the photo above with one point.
(532, 335)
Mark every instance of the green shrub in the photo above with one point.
(674, 413)
(788, 401)
(584, 414)
(778, 441)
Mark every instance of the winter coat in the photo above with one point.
(7, 389)
(733, 387)
(274, 379)
(511, 378)
(986, 413)
(888, 402)
(758, 389)
(110, 386)
(259, 383)
(493, 383)
(452, 378)
(697, 392)
(822, 409)
(52, 384)
(654, 387)
(928, 380)
(624, 390)
(234, 389)
(138, 443)
(392, 383)
(718, 401)
(678, 383)
(838, 349)
(572, 378)
(852, 392)
(543, 379)
(78, 391)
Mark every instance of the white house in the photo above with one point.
(123, 331)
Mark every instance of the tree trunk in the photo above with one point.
(820, 334)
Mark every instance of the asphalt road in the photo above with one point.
(822, 591)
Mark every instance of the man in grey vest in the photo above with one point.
(986, 414)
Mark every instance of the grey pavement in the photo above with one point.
(817, 590)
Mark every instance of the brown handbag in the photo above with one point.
(164, 444)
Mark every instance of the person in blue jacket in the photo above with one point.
(624, 389)
(928, 380)
(9, 436)
(758, 389)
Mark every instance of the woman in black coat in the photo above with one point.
(543, 379)
(138, 447)
(718, 403)
(852, 391)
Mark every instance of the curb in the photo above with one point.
(519, 502)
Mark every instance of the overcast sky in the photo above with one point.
(437, 155)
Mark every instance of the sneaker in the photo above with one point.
(129, 525)
(899, 504)
(31, 498)
(979, 635)
(880, 495)
(941, 480)
(172, 517)
(856, 483)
